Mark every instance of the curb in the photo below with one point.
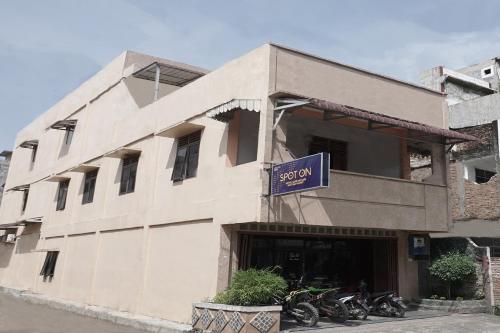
(142, 322)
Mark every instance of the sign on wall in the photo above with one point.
(303, 174)
(418, 246)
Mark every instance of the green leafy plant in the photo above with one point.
(253, 287)
(496, 310)
(459, 298)
(452, 268)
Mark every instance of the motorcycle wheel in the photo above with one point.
(357, 312)
(311, 315)
(400, 312)
(339, 309)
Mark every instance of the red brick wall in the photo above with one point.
(495, 279)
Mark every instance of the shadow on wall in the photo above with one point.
(28, 239)
(6, 251)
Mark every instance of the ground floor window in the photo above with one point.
(325, 262)
(49, 265)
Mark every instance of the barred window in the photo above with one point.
(89, 186)
(186, 159)
(49, 264)
(129, 172)
(62, 193)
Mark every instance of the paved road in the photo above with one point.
(456, 323)
(18, 316)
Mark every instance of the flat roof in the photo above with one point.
(386, 77)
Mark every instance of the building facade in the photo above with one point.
(474, 108)
(148, 186)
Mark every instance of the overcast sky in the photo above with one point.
(48, 48)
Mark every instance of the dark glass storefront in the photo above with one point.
(326, 262)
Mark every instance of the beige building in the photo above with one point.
(145, 188)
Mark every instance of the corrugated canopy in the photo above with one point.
(224, 112)
(169, 74)
(385, 121)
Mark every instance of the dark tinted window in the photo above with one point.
(25, 200)
(337, 150)
(62, 193)
(89, 186)
(186, 160)
(49, 265)
(129, 172)
(483, 176)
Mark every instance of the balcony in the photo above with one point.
(367, 201)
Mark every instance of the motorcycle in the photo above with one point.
(355, 305)
(296, 305)
(328, 304)
(385, 303)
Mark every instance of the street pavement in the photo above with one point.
(455, 323)
(19, 316)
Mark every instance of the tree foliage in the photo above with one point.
(453, 267)
(253, 287)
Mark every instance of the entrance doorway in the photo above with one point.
(325, 261)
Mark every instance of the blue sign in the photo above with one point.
(303, 174)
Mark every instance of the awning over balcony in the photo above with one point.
(224, 112)
(375, 120)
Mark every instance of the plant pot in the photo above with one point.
(222, 318)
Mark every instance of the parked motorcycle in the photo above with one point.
(297, 305)
(327, 303)
(357, 308)
(385, 303)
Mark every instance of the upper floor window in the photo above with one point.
(89, 186)
(68, 135)
(33, 145)
(336, 149)
(26, 193)
(62, 193)
(129, 172)
(186, 159)
(483, 176)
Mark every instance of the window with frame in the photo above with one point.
(129, 172)
(337, 150)
(186, 159)
(89, 186)
(68, 135)
(483, 176)
(62, 193)
(33, 154)
(49, 265)
(25, 200)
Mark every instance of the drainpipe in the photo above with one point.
(490, 273)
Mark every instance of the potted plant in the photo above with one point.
(245, 307)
